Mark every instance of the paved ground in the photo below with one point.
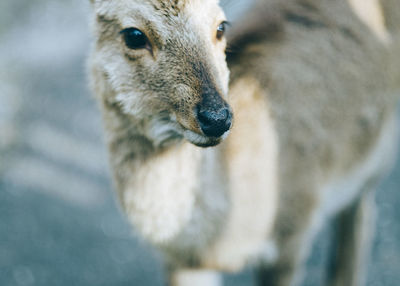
(59, 222)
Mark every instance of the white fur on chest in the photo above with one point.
(160, 199)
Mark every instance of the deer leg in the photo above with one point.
(355, 227)
(289, 269)
(294, 237)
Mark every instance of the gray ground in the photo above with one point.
(59, 222)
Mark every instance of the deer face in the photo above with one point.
(165, 64)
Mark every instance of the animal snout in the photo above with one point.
(215, 122)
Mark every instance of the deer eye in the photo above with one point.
(221, 30)
(135, 39)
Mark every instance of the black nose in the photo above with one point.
(215, 123)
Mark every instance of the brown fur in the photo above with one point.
(321, 82)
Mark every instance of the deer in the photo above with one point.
(232, 145)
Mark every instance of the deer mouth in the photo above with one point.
(203, 135)
(193, 131)
(202, 140)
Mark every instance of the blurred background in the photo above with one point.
(59, 221)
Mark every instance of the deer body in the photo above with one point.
(312, 97)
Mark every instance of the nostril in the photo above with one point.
(207, 118)
(215, 123)
(228, 117)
